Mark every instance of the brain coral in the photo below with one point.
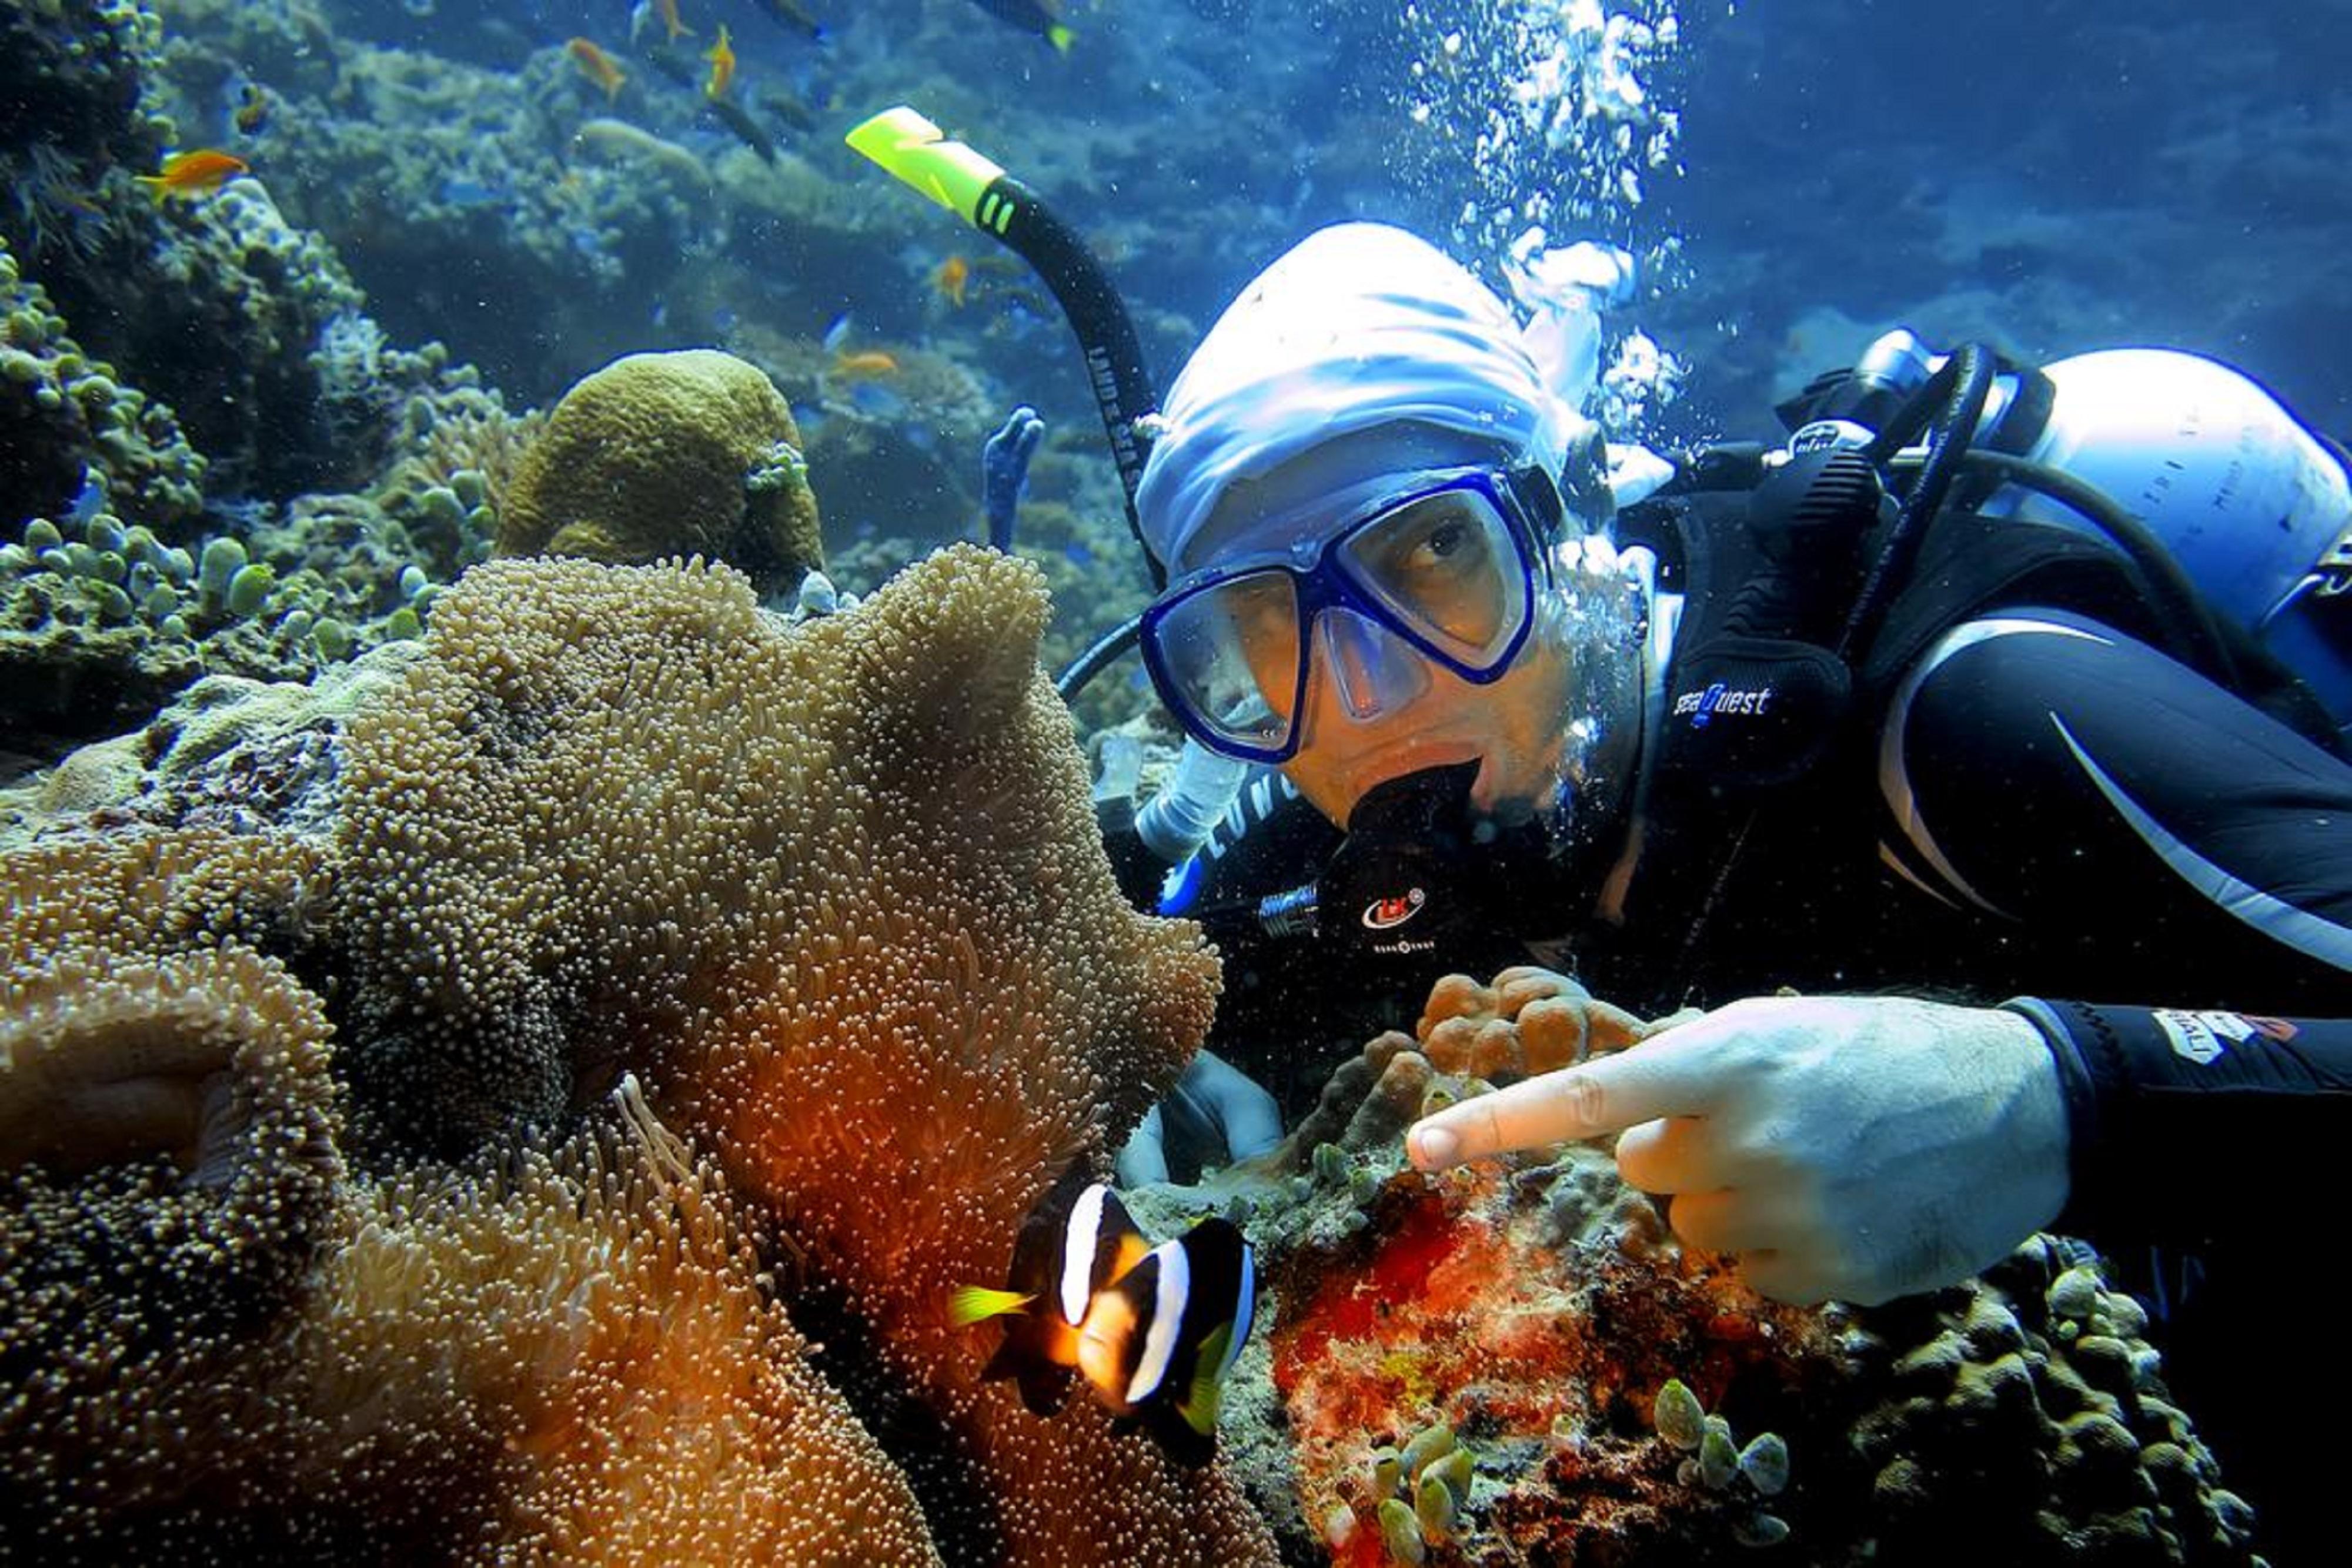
(692, 453)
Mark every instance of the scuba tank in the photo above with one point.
(2255, 507)
(2192, 469)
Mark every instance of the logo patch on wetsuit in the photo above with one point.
(1383, 914)
(1701, 707)
(2202, 1038)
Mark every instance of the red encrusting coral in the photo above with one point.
(1542, 1348)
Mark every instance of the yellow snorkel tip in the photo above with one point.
(920, 154)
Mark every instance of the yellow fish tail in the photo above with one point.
(1199, 1405)
(970, 1304)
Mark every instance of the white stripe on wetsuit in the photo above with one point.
(1894, 777)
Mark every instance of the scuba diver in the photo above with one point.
(1886, 726)
(2001, 710)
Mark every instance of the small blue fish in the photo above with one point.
(836, 332)
(90, 499)
(460, 191)
(876, 401)
(1078, 555)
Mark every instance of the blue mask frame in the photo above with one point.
(1525, 498)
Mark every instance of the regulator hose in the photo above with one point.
(2177, 603)
(1098, 657)
(1953, 400)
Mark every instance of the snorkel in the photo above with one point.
(1177, 820)
(978, 190)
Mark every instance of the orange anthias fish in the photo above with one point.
(721, 56)
(196, 174)
(864, 365)
(597, 66)
(950, 278)
(672, 26)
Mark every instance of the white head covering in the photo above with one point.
(1358, 326)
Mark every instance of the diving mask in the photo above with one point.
(1443, 565)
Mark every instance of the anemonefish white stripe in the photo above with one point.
(1175, 1283)
(1894, 775)
(1079, 1238)
(1245, 1311)
(2311, 934)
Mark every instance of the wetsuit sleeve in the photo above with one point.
(2179, 1120)
(2162, 840)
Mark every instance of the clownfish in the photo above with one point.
(1153, 1330)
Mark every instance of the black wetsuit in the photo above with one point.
(2040, 808)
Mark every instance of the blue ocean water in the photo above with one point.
(2055, 179)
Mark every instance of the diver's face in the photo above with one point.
(1511, 725)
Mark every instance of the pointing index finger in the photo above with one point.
(1607, 1096)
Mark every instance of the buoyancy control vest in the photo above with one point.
(1768, 711)
(1808, 590)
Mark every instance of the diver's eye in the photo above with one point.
(1440, 542)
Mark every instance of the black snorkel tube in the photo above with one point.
(978, 190)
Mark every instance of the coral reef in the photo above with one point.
(179, 372)
(99, 631)
(75, 74)
(692, 453)
(831, 890)
(67, 424)
(2026, 1411)
(1518, 1363)
(238, 336)
(895, 446)
(229, 755)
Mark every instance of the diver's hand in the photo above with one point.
(1861, 1148)
(1004, 469)
(1217, 1115)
